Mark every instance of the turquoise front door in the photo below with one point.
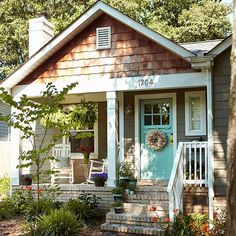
(156, 139)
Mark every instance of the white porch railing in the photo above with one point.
(190, 168)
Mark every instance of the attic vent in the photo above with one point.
(103, 37)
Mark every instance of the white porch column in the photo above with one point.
(210, 142)
(112, 136)
(14, 155)
(121, 126)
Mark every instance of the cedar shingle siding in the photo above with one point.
(131, 54)
(221, 84)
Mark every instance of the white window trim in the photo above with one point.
(109, 38)
(188, 131)
(93, 155)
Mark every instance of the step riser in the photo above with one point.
(149, 197)
(139, 223)
(132, 229)
(142, 208)
(147, 202)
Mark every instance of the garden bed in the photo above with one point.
(11, 227)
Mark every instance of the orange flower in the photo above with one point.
(153, 208)
(39, 190)
(176, 210)
(29, 188)
(205, 228)
(167, 219)
(154, 219)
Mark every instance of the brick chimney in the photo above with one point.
(40, 32)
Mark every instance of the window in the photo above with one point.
(90, 142)
(195, 113)
(103, 39)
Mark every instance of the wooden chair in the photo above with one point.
(96, 167)
(65, 166)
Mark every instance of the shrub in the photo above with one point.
(85, 208)
(7, 209)
(60, 222)
(25, 203)
(219, 228)
(189, 225)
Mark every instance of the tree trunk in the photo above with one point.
(231, 150)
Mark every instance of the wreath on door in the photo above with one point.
(156, 140)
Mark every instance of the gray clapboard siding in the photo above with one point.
(221, 84)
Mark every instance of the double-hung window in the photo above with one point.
(195, 113)
(88, 143)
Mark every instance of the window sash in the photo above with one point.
(195, 113)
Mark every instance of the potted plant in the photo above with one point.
(26, 179)
(99, 179)
(118, 207)
(132, 189)
(133, 181)
(83, 115)
(125, 172)
(86, 150)
(117, 193)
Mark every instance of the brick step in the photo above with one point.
(152, 183)
(145, 208)
(150, 189)
(146, 198)
(147, 220)
(133, 229)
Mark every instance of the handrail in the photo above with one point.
(171, 185)
(175, 165)
(191, 167)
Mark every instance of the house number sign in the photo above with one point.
(145, 83)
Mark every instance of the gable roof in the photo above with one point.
(226, 43)
(201, 47)
(77, 26)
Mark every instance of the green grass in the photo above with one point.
(4, 187)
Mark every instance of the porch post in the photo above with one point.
(112, 136)
(210, 142)
(14, 155)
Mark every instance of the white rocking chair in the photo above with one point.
(65, 166)
(96, 167)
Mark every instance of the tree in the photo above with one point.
(231, 147)
(178, 20)
(26, 113)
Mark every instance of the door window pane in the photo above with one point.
(156, 108)
(147, 120)
(165, 108)
(147, 109)
(156, 120)
(165, 119)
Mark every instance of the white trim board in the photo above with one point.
(170, 81)
(89, 16)
(221, 46)
(137, 125)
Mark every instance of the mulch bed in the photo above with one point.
(11, 227)
(14, 227)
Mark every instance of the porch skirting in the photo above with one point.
(72, 191)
